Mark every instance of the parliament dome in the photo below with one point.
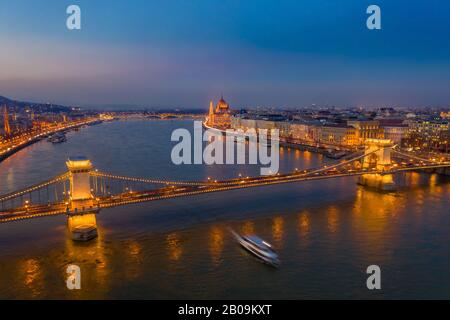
(222, 104)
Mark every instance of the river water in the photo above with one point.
(326, 232)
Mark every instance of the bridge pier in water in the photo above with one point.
(381, 182)
(379, 155)
(81, 209)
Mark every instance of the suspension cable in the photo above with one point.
(14, 194)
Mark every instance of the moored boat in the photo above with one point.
(58, 137)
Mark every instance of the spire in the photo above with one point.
(7, 128)
(211, 113)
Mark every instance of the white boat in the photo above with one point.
(58, 137)
(259, 248)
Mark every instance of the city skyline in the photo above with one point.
(180, 55)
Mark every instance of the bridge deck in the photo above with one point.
(35, 211)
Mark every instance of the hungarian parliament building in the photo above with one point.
(220, 116)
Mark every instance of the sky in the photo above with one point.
(183, 53)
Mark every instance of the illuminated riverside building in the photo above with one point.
(309, 133)
(16, 124)
(330, 134)
(338, 135)
(335, 131)
(219, 117)
(396, 133)
(351, 133)
(431, 135)
(366, 130)
(445, 115)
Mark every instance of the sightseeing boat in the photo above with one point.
(259, 248)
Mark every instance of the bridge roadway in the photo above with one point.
(35, 211)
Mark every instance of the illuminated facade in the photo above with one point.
(306, 133)
(338, 135)
(430, 135)
(350, 134)
(395, 133)
(445, 115)
(219, 117)
(366, 130)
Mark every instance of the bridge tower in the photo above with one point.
(378, 153)
(81, 210)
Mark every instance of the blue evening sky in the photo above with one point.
(183, 53)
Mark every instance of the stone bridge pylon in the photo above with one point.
(81, 209)
(378, 153)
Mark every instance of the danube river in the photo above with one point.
(326, 232)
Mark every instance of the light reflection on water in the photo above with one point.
(277, 230)
(174, 247)
(248, 227)
(332, 219)
(33, 277)
(326, 233)
(216, 244)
